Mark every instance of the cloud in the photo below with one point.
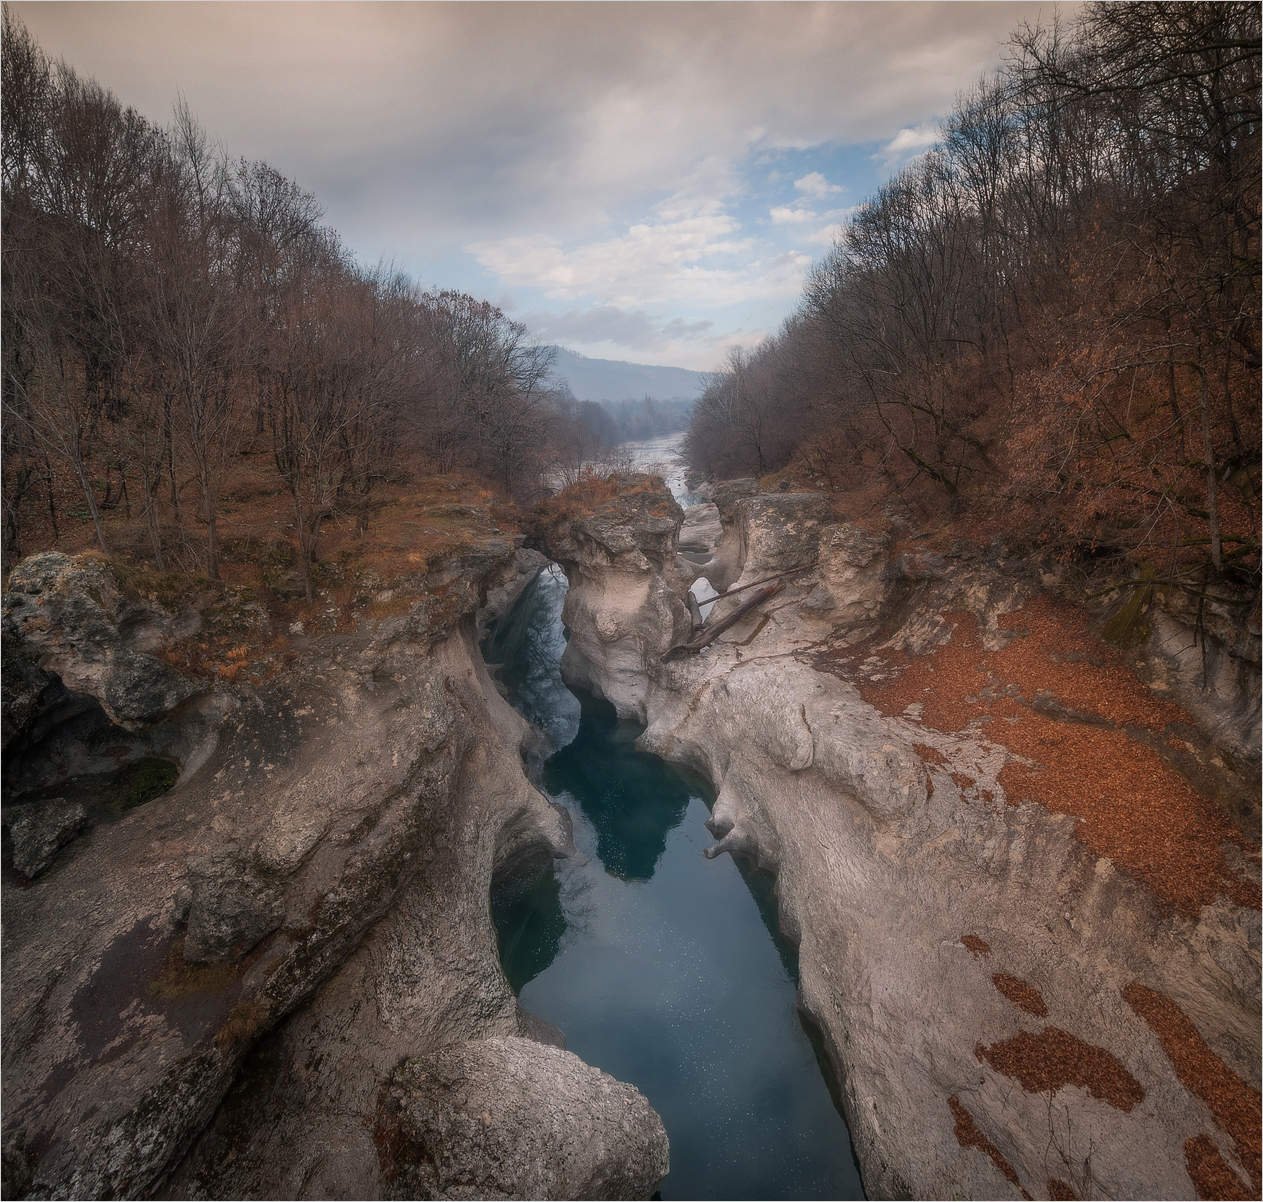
(682, 257)
(496, 120)
(827, 235)
(816, 186)
(909, 143)
(608, 324)
(787, 215)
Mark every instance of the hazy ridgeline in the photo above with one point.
(1049, 324)
(168, 308)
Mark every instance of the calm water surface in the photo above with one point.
(660, 966)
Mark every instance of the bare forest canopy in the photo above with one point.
(1048, 326)
(169, 310)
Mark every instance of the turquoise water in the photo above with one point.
(658, 965)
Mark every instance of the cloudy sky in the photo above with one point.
(636, 181)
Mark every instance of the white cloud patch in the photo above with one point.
(827, 235)
(610, 325)
(790, 215)
(908, 144)
(683, 257)
(816, 186)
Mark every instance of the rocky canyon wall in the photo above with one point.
(265, 981)
(1028, 926)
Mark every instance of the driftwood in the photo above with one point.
(802, 567)
(709, 634)
(695, 610)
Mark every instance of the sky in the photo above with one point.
(647, 181)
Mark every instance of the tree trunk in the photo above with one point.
(90, 496)
(151, 518)
(1212, 479)
(212, 527)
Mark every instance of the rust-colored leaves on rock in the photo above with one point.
(1021, 993)
(1234, 1104)
(1053, 1058)
(979, 947)
(1133, 807)
(969, 1136)
(1059, 1189)
(1211, 1173)
(1073, 714)
(931, 755)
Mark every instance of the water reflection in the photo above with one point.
(529, 925)
(631, 799)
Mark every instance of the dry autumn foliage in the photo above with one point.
(1047, 327)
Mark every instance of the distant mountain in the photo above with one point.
(610, 380)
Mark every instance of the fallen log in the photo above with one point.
(802, 567)
(709, 634)
(695, 611)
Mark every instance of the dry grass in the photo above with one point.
(1021, 993)
(978, 947)
(968, 1135)
(928, 754)
(593, 493)
(389, 538)
(1211, 1173)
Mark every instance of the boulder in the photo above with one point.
(69, 614)
(513, 1118)
(40, 829)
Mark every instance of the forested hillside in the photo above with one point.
(1047, 327)
(182, 333)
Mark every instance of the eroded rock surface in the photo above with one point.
(625, 603)
(989, 841)
(466, 1122)
(207, 995)
(41, 829)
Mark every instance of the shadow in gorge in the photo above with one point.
(530, 924)
(632, 799)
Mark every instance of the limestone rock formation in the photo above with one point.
(984, 831)
(467, 1122)
(625, 604)
(206, 996)
(92, 637)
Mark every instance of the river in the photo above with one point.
(659, 966)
